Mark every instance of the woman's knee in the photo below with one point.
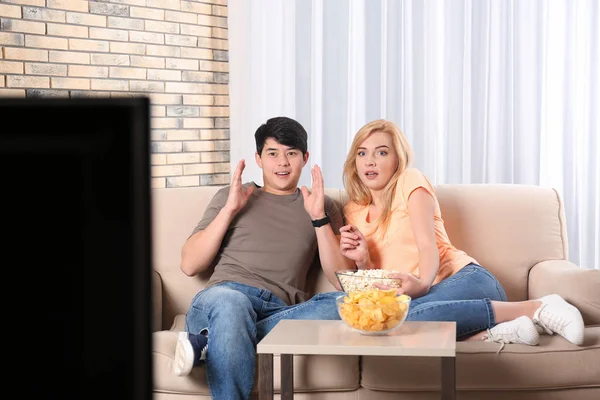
(501, 292)
(491, 285)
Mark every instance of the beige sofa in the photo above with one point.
(517, 232)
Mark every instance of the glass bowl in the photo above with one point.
(375, 312)
(364, 279)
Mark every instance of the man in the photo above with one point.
(262, 242)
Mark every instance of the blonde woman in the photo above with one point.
(394, 222)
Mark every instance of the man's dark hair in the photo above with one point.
(285, 131)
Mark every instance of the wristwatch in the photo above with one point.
(320, 222)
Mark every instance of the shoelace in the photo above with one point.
(502, 341)
(544, 327)
(501, 347)
(203, 352)
(555, 322)
(205, 348)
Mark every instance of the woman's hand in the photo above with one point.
(353, 246)
(412, 285)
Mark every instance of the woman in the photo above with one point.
(395, 223)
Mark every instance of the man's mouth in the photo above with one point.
(282, 173)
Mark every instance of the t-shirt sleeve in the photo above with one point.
(411, 180)
(335, 214)
(216, 204)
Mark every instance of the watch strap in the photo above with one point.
(320, 222)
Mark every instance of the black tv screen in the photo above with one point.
(77, 256)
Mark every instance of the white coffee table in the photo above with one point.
(308, 337)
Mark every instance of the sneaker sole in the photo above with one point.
(184, 355)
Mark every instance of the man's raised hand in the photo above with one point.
(238, 197)
(314, 201)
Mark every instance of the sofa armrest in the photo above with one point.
(578, 286)
(156, 301)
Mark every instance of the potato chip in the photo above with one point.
(374, 310)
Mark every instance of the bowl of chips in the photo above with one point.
(365, 279)
(373, 312)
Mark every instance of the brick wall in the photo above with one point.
(171, 50)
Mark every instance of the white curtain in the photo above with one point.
(487, 91)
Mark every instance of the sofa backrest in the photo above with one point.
(506, 228)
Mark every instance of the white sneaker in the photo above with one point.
(520, 330)
(184, 355)
(189, 351)
(557, 316)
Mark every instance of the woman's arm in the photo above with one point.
(421, 208)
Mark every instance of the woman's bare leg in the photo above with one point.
(507, 311)
(557, 316)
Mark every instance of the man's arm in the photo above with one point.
(328, 243)
(202, 247)
(329, 254)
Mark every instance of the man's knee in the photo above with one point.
(218, 304)
(217, 297)
(323, 306)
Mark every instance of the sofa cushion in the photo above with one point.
(586, 393)
(554, 363)
(311, 373)
(506, 228)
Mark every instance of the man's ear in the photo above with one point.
(258, 160)
(305, 158)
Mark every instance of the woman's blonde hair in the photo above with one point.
(356, 190)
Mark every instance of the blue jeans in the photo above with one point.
(465, 297)
(238, 317)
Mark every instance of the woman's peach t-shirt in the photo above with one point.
(397, 250)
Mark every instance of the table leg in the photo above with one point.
(448, 378)
(265, 376)
(287, 376)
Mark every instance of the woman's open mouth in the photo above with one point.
(371, 174)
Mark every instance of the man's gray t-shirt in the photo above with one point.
(270, 244)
